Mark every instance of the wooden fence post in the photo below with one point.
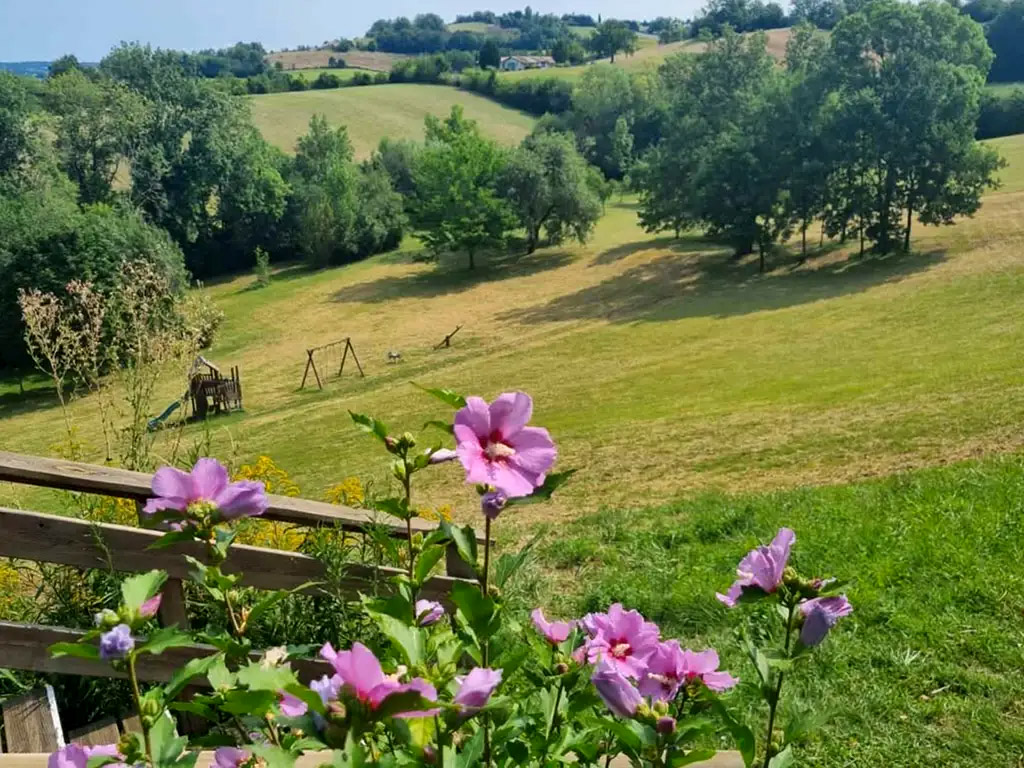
(32, 723)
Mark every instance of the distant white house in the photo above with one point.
(517, 63)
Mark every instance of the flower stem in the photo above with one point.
(773, 702)
(137, 695)
(407, 484)
(485, 650)
(440, 741)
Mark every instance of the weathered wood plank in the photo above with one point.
(131, 724)
(31, 722)
(97, 734)
(26, 646)
(67, 541)
(123, 483)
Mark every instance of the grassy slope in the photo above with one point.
(650, 55)
(926, 672)
(344, 74)
(371, 112)
(661, 366)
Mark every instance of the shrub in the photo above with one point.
(262, 268)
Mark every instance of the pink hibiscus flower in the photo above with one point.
(762, 568)
(497, 448)
(360, 675)
(207, 484)
(622, 638)
(671, 667)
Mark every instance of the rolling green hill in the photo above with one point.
(373, 112)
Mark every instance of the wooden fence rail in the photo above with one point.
(125, 484)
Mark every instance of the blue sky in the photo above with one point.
(89, 28)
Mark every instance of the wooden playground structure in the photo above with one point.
(335, 349)
(211, 392)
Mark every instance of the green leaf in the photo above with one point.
(138, 589)
(464, 540)
(628, 735)
(407, 639)
(693, 756)
(162, 639)
(446, 396)
(78, 650)
(777, 660)
(256, 703)
(267, 602)
(193, 668)
(784, 759)
(274, 757)
(480, 613)
(552, 483)
(472, 751)
(370, 425)
(428, 558)
(258, 677)
(195, 708)
(171, 538)
(167, 745)
(445, 426)
(741, 734)
(395, 507)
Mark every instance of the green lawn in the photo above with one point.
(372, 112)
(927, 670)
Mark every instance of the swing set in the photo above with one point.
(327, 354)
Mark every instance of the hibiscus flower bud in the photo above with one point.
(391, 444)
(660, 707)
(429, 755)
(666, 725)
(106, 619)
(561, 668)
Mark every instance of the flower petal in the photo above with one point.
(509, 478)
(511, 412)
(174, 485)
(719, 681)
(476, 416)
(535, 450)
(245, 498)
(209, 479)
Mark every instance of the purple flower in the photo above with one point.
(491, 504)
(428, 612)
(116, 643)
(497, 448)
(291, 706)
(208, 485)
(616, 690)
(361, 676)
(623, 638)
(328, 688)
(475, 689)
(666, 725)
(77, 756)
(820, 615)
(149, 608)
(554, 632)
(230, 757)
(761, 568)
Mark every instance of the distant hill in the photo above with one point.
(30, 68)
(317, 58)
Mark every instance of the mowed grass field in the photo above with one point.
(370, 112)
(661, 366)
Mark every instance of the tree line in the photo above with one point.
(866, 132)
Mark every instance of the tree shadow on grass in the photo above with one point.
(16, 403)
(683, 283)
(665, 243)
(451, 275)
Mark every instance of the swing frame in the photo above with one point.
(311, 362)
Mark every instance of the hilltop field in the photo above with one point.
(373, 111)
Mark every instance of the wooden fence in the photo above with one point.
(47, 538)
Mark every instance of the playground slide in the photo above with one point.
(155, 424)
